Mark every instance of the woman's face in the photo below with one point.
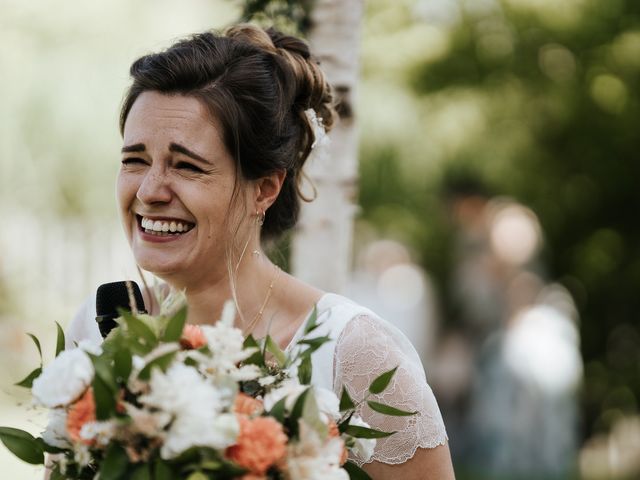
(175, 187)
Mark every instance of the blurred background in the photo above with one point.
(497, 219)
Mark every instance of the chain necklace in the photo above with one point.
(267, 297)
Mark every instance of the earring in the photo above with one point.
(260, 218)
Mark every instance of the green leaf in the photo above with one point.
(139, 330)
(257, 358)
(382, 382)
(23, 445)
(105, 399)
(143, 472)
(355, 472)
(296, 412)
(315, 343)
(122, 365)
(345, 400)
(102, 367)
(59, 339)
(27, 381)
(162, 362)
(274, 349)
(389, 410)
(37, 342)
(278, 410)
(364, 432)
(114, 464)
(162, 471)
(197, 476)
(344, 423)
(174, 329)
(305, 370)
(312, 321)
(45, 447)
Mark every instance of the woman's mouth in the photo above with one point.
(164, 227)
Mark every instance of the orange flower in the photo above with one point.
(192, 337)
(261, 444)
(247, 405)
(81, 412)
(335, 432)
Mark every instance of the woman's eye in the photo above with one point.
(188, 166)
(133, 161)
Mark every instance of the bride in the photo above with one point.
(216, 131)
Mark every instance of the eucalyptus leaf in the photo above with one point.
(256, 358)
(316, 342)
(305, 370)
(278, 410)
(59, 339)
(174, 329)
(382, 382)
(23, 445)
(27, 381)
(197, 476)
(122, 365)
(104, 398)
(140, 331)
(115, 463)
(364, 432)
(37, 342)
(345, 400)
(389, 410)
(142, 472)
(355, 472)
(312, 321)
(162, 362)
(273, 348)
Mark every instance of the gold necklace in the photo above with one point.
(258, 315)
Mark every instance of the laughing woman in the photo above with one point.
(216, 130)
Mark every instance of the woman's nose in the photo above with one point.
(154, 188)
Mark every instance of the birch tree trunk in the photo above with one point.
(322, 243)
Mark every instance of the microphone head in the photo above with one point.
(113, 296)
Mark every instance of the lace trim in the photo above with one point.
(366, 348)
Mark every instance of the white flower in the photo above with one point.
(227, 350)
(289, 389)
(319, 133)
(81, 454)
(64, 379)
(90, 346)
(196, 407)
(101, 432)
(328, 402)
(265, 381)
(207, 430)
(312, 459)
(150, 424)
(56, 431)
(363, 448)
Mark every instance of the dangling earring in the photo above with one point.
(259, 222)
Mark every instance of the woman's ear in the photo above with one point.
(268, 188)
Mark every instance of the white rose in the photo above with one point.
(311, 458)
(56, 431)
(363, 448)
(64, 379)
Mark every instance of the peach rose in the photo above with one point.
(247, 405)
(81, 412)
(192, 337)
(261, 444)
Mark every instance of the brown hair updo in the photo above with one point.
(257, 83)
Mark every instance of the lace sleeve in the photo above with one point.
(366, 348)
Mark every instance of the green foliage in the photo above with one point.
(557, 105)
(291, 16)
(23, 445)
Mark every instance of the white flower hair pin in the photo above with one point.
(320, 138)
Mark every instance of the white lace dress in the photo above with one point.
(363, 346)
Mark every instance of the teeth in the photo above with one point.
(158, 227)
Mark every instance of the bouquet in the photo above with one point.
(161, 399)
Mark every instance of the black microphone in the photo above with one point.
(112, 296)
